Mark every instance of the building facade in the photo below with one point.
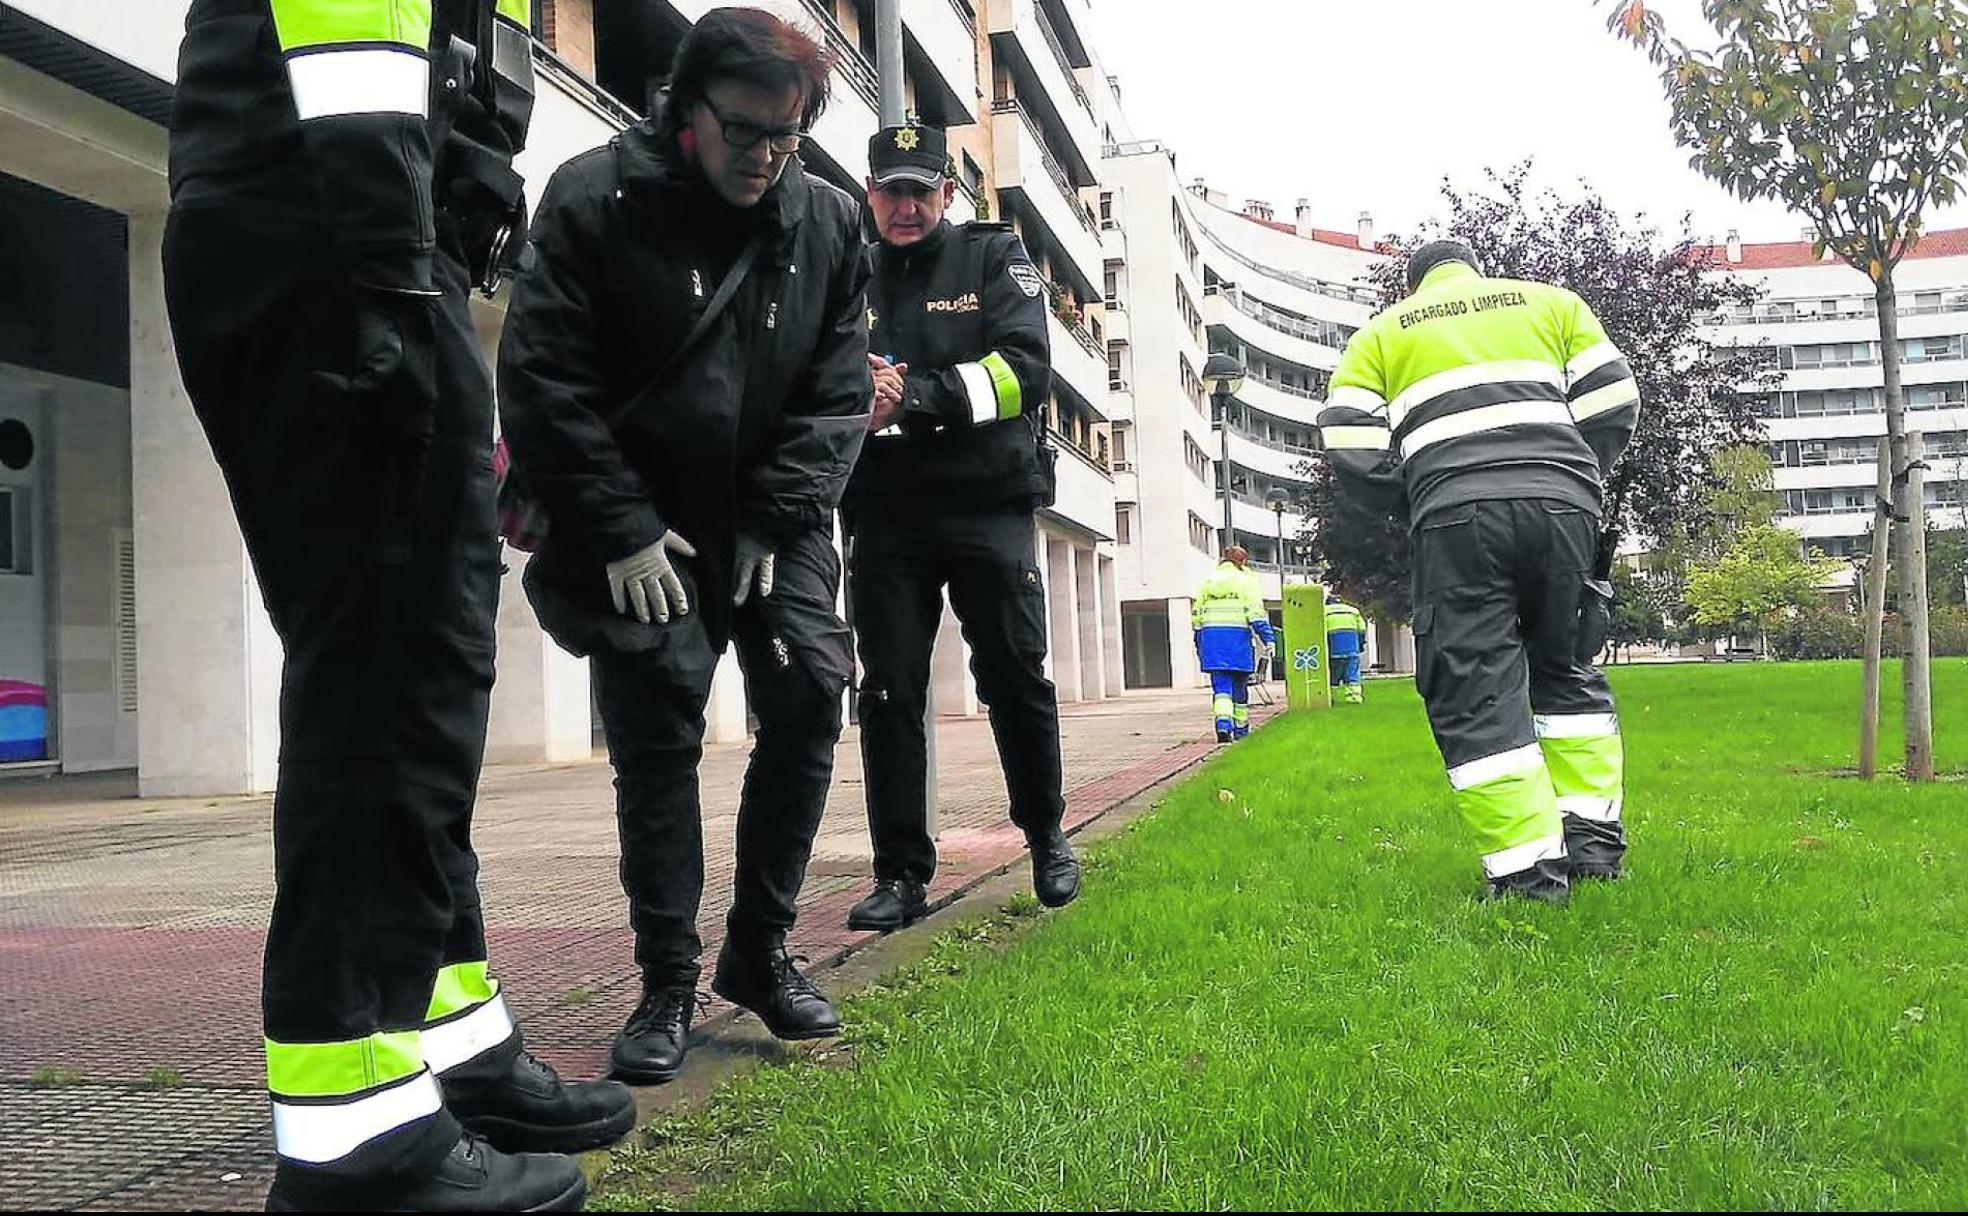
(1826, 418)
(1186, 277)
(131, 633)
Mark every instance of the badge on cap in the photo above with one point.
(907, 139)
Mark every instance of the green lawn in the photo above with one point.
(1290, 999)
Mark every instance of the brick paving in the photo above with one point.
(130, 936)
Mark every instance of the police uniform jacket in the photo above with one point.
(966, 310)
(375, 112)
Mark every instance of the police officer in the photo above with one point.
(1227, 614)
(341, 176)
(1346, 639)
(1489, 410)
(944, 495)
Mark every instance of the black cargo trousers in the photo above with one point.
(368, 519)
(898, 565)
(1508, 621)
(793, 649)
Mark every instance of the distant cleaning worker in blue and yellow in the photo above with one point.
(1229, 613)
(1346, 643)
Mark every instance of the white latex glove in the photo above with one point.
(755, 563)
(645, 585)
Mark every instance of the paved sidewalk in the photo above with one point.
(130, 936)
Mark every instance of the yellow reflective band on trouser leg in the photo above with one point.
(1240, 713)
(1508, 802)
(329, 1099)
(468, 1017)
(1225, 707)
(1587, 763)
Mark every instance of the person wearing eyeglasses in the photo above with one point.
(684, 385)
(944, 497)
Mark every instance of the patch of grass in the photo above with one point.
(50, 1076)
(577, 996)
(164, 1077)
(1292, 999)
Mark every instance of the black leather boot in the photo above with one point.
(1594, 849)
(766, 980)
(529, 1109)
(1546, 882)
(895, 902)
(650, 1049)
(475, 1177)
(1055, 870)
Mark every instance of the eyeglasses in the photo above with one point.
(745, 135)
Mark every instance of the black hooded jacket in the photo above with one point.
(758, 426)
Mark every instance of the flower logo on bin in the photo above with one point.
(1305, 659)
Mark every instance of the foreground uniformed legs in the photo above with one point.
(1471, 669)
(368, 521)
(1576, 722)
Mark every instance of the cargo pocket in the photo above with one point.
(1595, 621)
(1425, 658)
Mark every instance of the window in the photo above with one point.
(1181, 227)
(1110, 291)
(1197, 460)
(1123, 525)
(1187, 307)
(1192, 384)
(1200, 533)
(1121, 462)
(1106, 208)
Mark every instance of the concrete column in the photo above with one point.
(953, 687)
(725, 716)
(1110, 617)
(208, 663)
(1062, 589)
(1184, 671)
(541, 709)
(1093, 649)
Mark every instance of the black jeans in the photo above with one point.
(369, 522)
(793, 650)
(1498, 588)
(898, 566)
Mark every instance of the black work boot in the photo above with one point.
(474, 1177)
(767, 980)
(1055, 870)
(895, 902)
(649, 1051)
(1594, 849)
(1545, 882)
(1223, 736)
(529, 1109)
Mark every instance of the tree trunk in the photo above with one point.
(1875, 613)
(1910, 523)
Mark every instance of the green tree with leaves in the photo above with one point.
(1764, 572)
(1854, 113)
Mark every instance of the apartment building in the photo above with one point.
(1826, 418)
(131, 635)
(1187, 276)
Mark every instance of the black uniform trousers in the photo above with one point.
(368, 518)
(793, 650)
(898, 565)
(1505, 628)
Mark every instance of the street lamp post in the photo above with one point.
(1224, 377)
(1277, 498)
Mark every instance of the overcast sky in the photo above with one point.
(1364, 105)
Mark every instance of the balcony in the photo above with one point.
(571, 114)
(1026, 165)
(1253, 517)
(1219, 313)
(1086, 491)
(1077, 361)
(1279, 460)
(1024, 38)
(944, 55)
